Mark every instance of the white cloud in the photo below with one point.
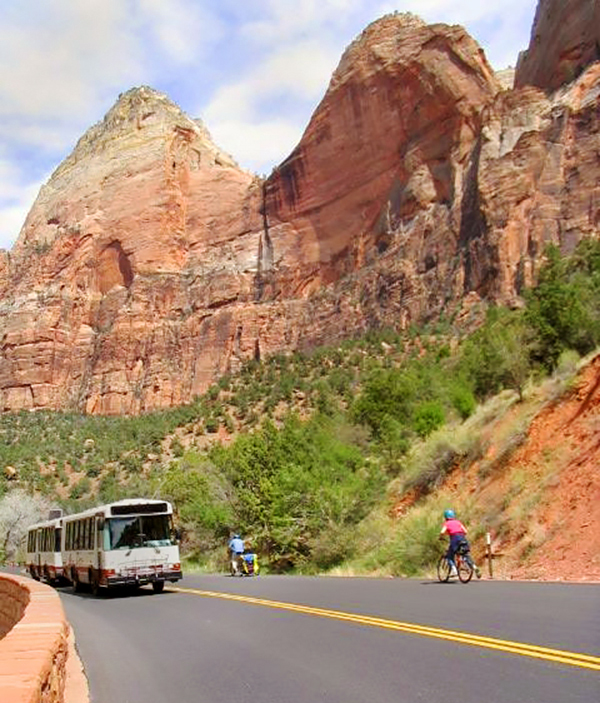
(183, 29)
(57, 64)
(286, 71)
(16, 200)
(11, 221)
(277, 24)
(257, 145)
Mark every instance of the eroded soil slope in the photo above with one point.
(546, 496)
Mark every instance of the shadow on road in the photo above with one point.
(118, 592)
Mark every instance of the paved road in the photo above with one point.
(192, 648)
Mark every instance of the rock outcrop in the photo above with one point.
(565, 39)
(150, 263)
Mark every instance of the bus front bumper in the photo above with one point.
(142, 577)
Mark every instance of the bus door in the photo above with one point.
(99, 544)
(38, 551)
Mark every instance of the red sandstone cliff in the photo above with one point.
(565, 39)
(150, 263)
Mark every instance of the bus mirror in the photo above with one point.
(100, 523)
(177, 534)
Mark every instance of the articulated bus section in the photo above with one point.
(44, 557)
(130, 542)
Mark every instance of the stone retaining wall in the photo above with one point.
(33, 642)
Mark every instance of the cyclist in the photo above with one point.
(236, 549)
(457, 532)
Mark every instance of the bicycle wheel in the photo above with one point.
(465, 569)
(443, 569)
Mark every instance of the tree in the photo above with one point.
(18, 510)
(562, 309)
(498, 355)
(516, 339)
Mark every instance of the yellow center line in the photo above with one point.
(586, 661)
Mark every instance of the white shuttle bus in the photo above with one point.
(44, 559)
(130, 542)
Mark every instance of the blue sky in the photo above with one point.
(253, 70)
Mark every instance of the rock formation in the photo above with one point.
(565, 39)
(150, 263)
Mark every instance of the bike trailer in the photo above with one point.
(249, 564)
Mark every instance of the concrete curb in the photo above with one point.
(34, 644)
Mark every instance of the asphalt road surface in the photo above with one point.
(191, 647)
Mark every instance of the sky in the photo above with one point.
(253, 70)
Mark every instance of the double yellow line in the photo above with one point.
(584, 661)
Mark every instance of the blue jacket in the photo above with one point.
(236, 545)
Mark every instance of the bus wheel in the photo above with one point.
(158, 586)
(34, 574)
(76, 582)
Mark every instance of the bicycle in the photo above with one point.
(464, 566)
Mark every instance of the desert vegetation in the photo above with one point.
(337, 458)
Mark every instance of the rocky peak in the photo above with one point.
(143, 136)
(381, 35)
(404, 38)
(143, 112)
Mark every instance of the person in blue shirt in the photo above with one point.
(236, 549)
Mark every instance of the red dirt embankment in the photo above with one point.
(541, 500)
(569, 432)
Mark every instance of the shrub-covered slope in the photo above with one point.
(344, 457)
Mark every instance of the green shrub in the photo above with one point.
(211, 425)
(81, 488)
(428, 417)
(177, 447)
(463, 401)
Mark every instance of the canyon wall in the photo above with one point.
(151, 263)
(565, 39)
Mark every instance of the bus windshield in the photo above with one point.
(140, 531)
